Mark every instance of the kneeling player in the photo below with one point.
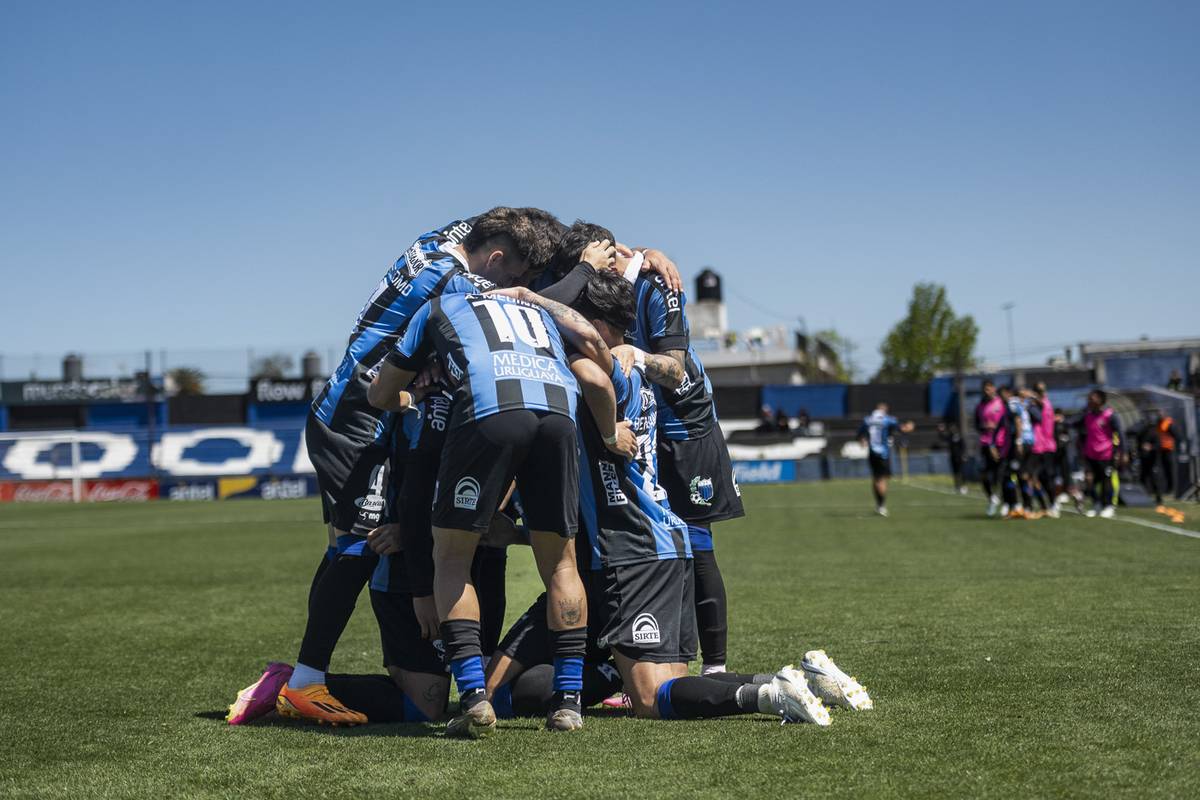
(636, 563)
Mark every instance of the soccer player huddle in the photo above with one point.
(514, 381)
(1024, 440)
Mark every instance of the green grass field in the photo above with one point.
(1006, 659)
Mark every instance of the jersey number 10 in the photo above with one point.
(513, 321)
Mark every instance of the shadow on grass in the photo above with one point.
(272, 720)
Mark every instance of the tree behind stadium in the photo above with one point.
(929, 339)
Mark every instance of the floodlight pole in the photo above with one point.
(1012, 350)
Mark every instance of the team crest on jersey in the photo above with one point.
(645, 630)
(700, 491)
(466, 493)
(612, 484)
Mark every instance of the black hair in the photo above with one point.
(608, 297)
(988, 383)
(573, 242)
(1100, 394)
(531, 233)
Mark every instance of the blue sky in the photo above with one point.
(207, 176)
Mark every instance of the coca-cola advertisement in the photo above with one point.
(136, 491)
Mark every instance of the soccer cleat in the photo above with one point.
(1091, 512)
(564, 719)
(833, 686)
(993, 506)
(317, 704)
(1016, 513)
(618, 700)
(962, 490)
(881, 511)
(792, 700)
(1108, 512)
(475, 723)
(258, 699)
(1004, 509)
(1053, 512)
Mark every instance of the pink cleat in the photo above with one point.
(258, 698)
(618, 700)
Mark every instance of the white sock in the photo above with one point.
(303, 677)
(709, 669)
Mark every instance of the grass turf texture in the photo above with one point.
(1005, 658)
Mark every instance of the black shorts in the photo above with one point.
(481, 458)
(646, 612)
(356, 480)
(699, 479)
(400, 635)
(528, 640)
(1099, 469)
(880, 467)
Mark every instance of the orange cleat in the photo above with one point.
(317, 704)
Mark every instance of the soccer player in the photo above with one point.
(950, 433)
(513, 416)
(635, 564)
(876, 433)
(1100, 440)
(988, 416)
(1045, 447)
(349, 441)
(694, 464)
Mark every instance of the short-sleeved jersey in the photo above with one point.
(878, 429)
(661, 325)
(426, 270)
(622, 508)
(499, 354)
(1020, 411)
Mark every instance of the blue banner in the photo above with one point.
(764, 471)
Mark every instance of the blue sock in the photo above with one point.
(663, 701)
(568, 674)
(468, 674)
(701, 538)
(502, 701)
(412, 713)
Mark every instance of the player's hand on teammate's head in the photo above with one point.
(601, 255)
(657, 260)
(626, 356)
(425, 611)
(385, 540)
(626, 444)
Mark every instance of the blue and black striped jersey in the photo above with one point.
(499, 354)
(622, 508)
(426, 270)
(878, 429)
(661, 325)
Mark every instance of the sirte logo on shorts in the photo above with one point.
(466, 493)
(700, 491)
(645, 630)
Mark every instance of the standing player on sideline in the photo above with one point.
(988, 416)
(1100, 440)
(1045, 446)
(349, 442)
(513, 411)
(876, 433)
(694, 464)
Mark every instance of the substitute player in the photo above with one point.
(1100, 441)
(876, 434)
(988, 417)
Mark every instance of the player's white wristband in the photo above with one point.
(610, 440)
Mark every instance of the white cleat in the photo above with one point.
(1004, 509)
(791, 700)
(1091, 512)
(833, 686)
(1108, 512)
(962, 490)
(881, 511)
(993, 505)
(1053, 512)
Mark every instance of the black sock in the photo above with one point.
(741, 678)
(377, 696)
(712, 615)
(487, 573)
(461, 640)
(330, 606)
(325, 561)
(702, 698)
(878, 496)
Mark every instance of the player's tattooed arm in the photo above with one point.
(601, 401)
(664, 370)
(387, 392)
(678, 355)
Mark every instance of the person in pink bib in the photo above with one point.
(1100, 442)
(989, 415)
